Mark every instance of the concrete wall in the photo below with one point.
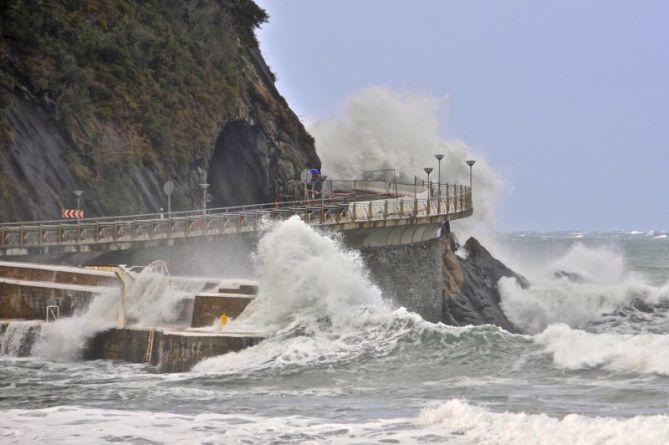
(178, 353)
(171, 351)
(410, 275)
(208, 308)
(30, 302)
(58, 274)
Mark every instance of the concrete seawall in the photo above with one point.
(175, 348)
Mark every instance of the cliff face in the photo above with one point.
(116, 97)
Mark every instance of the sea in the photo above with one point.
(343, 365)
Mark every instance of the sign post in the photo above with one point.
(168, 188)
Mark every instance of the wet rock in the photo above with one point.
(471, 294)
(571, 276)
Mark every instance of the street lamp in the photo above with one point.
(78, 194)
(204, 187)
(428, 170)
(439, 158)
(470, 163)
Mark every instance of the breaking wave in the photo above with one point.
(585, 285)
(574, 349)
(465, 423)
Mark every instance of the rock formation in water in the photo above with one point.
(472, 296)
(418, 268)
(114, 98)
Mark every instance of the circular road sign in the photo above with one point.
(168, 187)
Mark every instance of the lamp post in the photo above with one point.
(428, 170)
(470, 163)
(78, 194)
(204, 187)
(439, 158)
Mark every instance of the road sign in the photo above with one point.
(73, 213)
(168, 187)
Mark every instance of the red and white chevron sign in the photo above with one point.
(73, 213)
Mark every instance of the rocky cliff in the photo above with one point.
(418, 268)
(115, 97)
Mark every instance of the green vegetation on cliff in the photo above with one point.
(144, 83)
(156, 69)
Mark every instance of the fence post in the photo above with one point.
(401, 208)
(370, 211)
(385, 209)
(415, 208)
(355, 216)
(21, 230)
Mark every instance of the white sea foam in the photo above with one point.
(464, 423)
(382, 128)
(17, 333)
(575, 349)
(601, 284)
(453, 421)
(74, 425)
(151, 298)
(305, 275)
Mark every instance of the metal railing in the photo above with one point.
(322, 211)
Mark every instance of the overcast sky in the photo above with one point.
(567, 100)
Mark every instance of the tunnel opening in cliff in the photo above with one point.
(242, 167)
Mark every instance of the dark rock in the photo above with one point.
(571, 276)
(472, 296)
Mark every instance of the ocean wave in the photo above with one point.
(583, 286)
(574, 349)
(464, 423)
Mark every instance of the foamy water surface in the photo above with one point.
(347, 366)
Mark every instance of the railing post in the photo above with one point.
(401, 208)
(427, 207)
(41, 232)
(370, 211)
(415, 208)
(97, 231)
(21, 230)
(355, 216)
(385, 209)
(337, 216)
(2, 237)
(60, 232)
(448, 200)
(115, 231)
(322, 208)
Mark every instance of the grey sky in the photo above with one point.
(568, 100)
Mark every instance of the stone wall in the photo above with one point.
(409, 275)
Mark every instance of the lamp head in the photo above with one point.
(78, 193)
(439, 157)
(428, 170)
(470, 162)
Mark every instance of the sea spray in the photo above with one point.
(18, 337)
(319, 308)
(583, 286)
(385, 129)
(151, 298)
(307, 275)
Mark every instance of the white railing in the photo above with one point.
(455, 202)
